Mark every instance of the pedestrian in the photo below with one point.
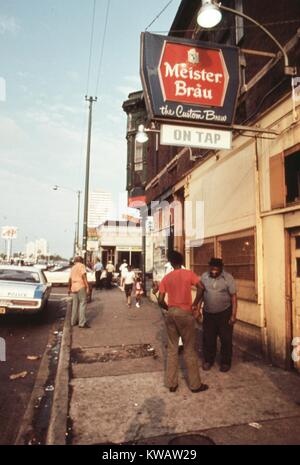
(180, 321)
(138, 291)
(103, 279)
(98, 267)
(129, 282)
(219, 314)
(123, 270)
(79, 287)
(168, 269)
(110, 270)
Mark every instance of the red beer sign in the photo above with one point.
(189, 80)
(193, 75)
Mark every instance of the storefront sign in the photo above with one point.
(184, 136)
(189, 80)
(9, 232)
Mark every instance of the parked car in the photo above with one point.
(23, 290)
(60, 276)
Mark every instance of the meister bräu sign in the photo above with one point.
(189, 80)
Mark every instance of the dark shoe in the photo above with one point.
(173, 389)
(203, 387)
(86, 326)
(207, 366)
(225, 368)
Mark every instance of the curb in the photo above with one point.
(38, 391)
(59, 412)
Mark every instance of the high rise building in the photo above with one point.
(36, 248)
(100, 208)
(41, 247)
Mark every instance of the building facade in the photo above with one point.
(250, 194)
(118, 241)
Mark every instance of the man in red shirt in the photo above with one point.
(180, 321)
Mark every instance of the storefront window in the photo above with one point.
(239, 257)
(201, 257)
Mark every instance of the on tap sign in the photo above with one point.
(189, 80)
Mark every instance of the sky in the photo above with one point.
(45, 56)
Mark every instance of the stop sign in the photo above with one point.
(193, 75)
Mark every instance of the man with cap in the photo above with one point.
(219, 314)
(110, 270)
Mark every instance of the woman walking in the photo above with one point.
(129, 282)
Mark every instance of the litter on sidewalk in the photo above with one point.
(23, 374)
(255, 425)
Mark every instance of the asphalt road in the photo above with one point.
(25, 336)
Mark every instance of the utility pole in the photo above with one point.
(91, 100)
(77, 245)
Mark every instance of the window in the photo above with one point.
(138, 156)
(238, 253)
(292, 177)
(239, 257)
(200, 257)
(19, 276)
(298, 267)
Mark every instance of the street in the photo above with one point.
(25, 337)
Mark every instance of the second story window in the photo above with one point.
(292, 177)
(138, 156)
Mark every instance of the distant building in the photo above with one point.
(30, 249)
(100, 207)
(36, 248)
(41, 247)
(120, 240)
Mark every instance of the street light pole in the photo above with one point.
(76, 238)
(91, 100)
(78, 220)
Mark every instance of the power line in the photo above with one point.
(102, 47)
(159, 14)
(91, 47)
(226, 28)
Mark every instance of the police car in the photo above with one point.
(23, 289)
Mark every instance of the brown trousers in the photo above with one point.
(181, 323)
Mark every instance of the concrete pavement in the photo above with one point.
(117, 392)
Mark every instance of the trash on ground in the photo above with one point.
(49, 388)
(33, 357)
(255, 425)
(23, 374)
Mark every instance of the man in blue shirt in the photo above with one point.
(98, 269)
(219, 314)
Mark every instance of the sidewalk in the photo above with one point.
(118, 393)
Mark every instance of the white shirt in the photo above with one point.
(169, 268)
(130, 277)
(123, 269)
